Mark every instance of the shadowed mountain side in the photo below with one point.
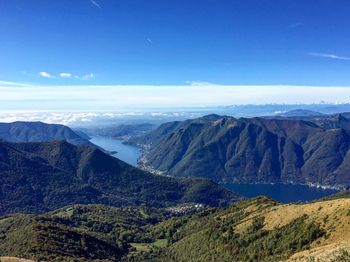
(37, 177)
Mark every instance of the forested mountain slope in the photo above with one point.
(253, 150)
(37, 177)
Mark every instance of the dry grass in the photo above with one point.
(333, 216)
(325, 253)
(14, 259)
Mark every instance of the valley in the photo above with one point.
(281, 192)
(94, 203)
(174, 131)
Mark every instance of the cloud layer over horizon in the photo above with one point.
(195, 94)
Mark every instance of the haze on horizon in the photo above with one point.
(122, 97)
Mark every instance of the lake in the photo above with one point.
(284, 193)
(127, 153)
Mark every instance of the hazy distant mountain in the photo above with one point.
(40, 132)
(300, 112)
(37, 177)
(332, 121)
(251, 150)
(121, 131)
(340, 120)
(271, 109)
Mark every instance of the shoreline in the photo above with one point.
(144, 165)
(310, 185)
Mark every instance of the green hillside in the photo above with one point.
(39, 177)
(76, 233)
(252, 150)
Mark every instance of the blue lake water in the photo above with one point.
(127, 153)
(284, 193)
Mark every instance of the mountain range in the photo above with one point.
(305, 150)
(41, 132)
(300, 113)
(42, 176)
(121, 131)
(65, 202)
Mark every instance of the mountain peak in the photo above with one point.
(21, 131)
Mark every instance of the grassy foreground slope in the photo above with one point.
(254, 230)
(259, 230)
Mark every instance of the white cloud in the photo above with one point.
(9, 83)
(46, 74)
(95, 4)
(149, 40)
(330, 56)
(65, 75)
(87, 76)
(199, 83)
(81, 117)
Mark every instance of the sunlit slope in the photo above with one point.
(262, 230)
(254, 230)
(252, 150)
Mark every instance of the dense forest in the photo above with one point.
(300, 150)
(39, 177)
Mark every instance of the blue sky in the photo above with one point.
(160, 43)
(237, 42)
